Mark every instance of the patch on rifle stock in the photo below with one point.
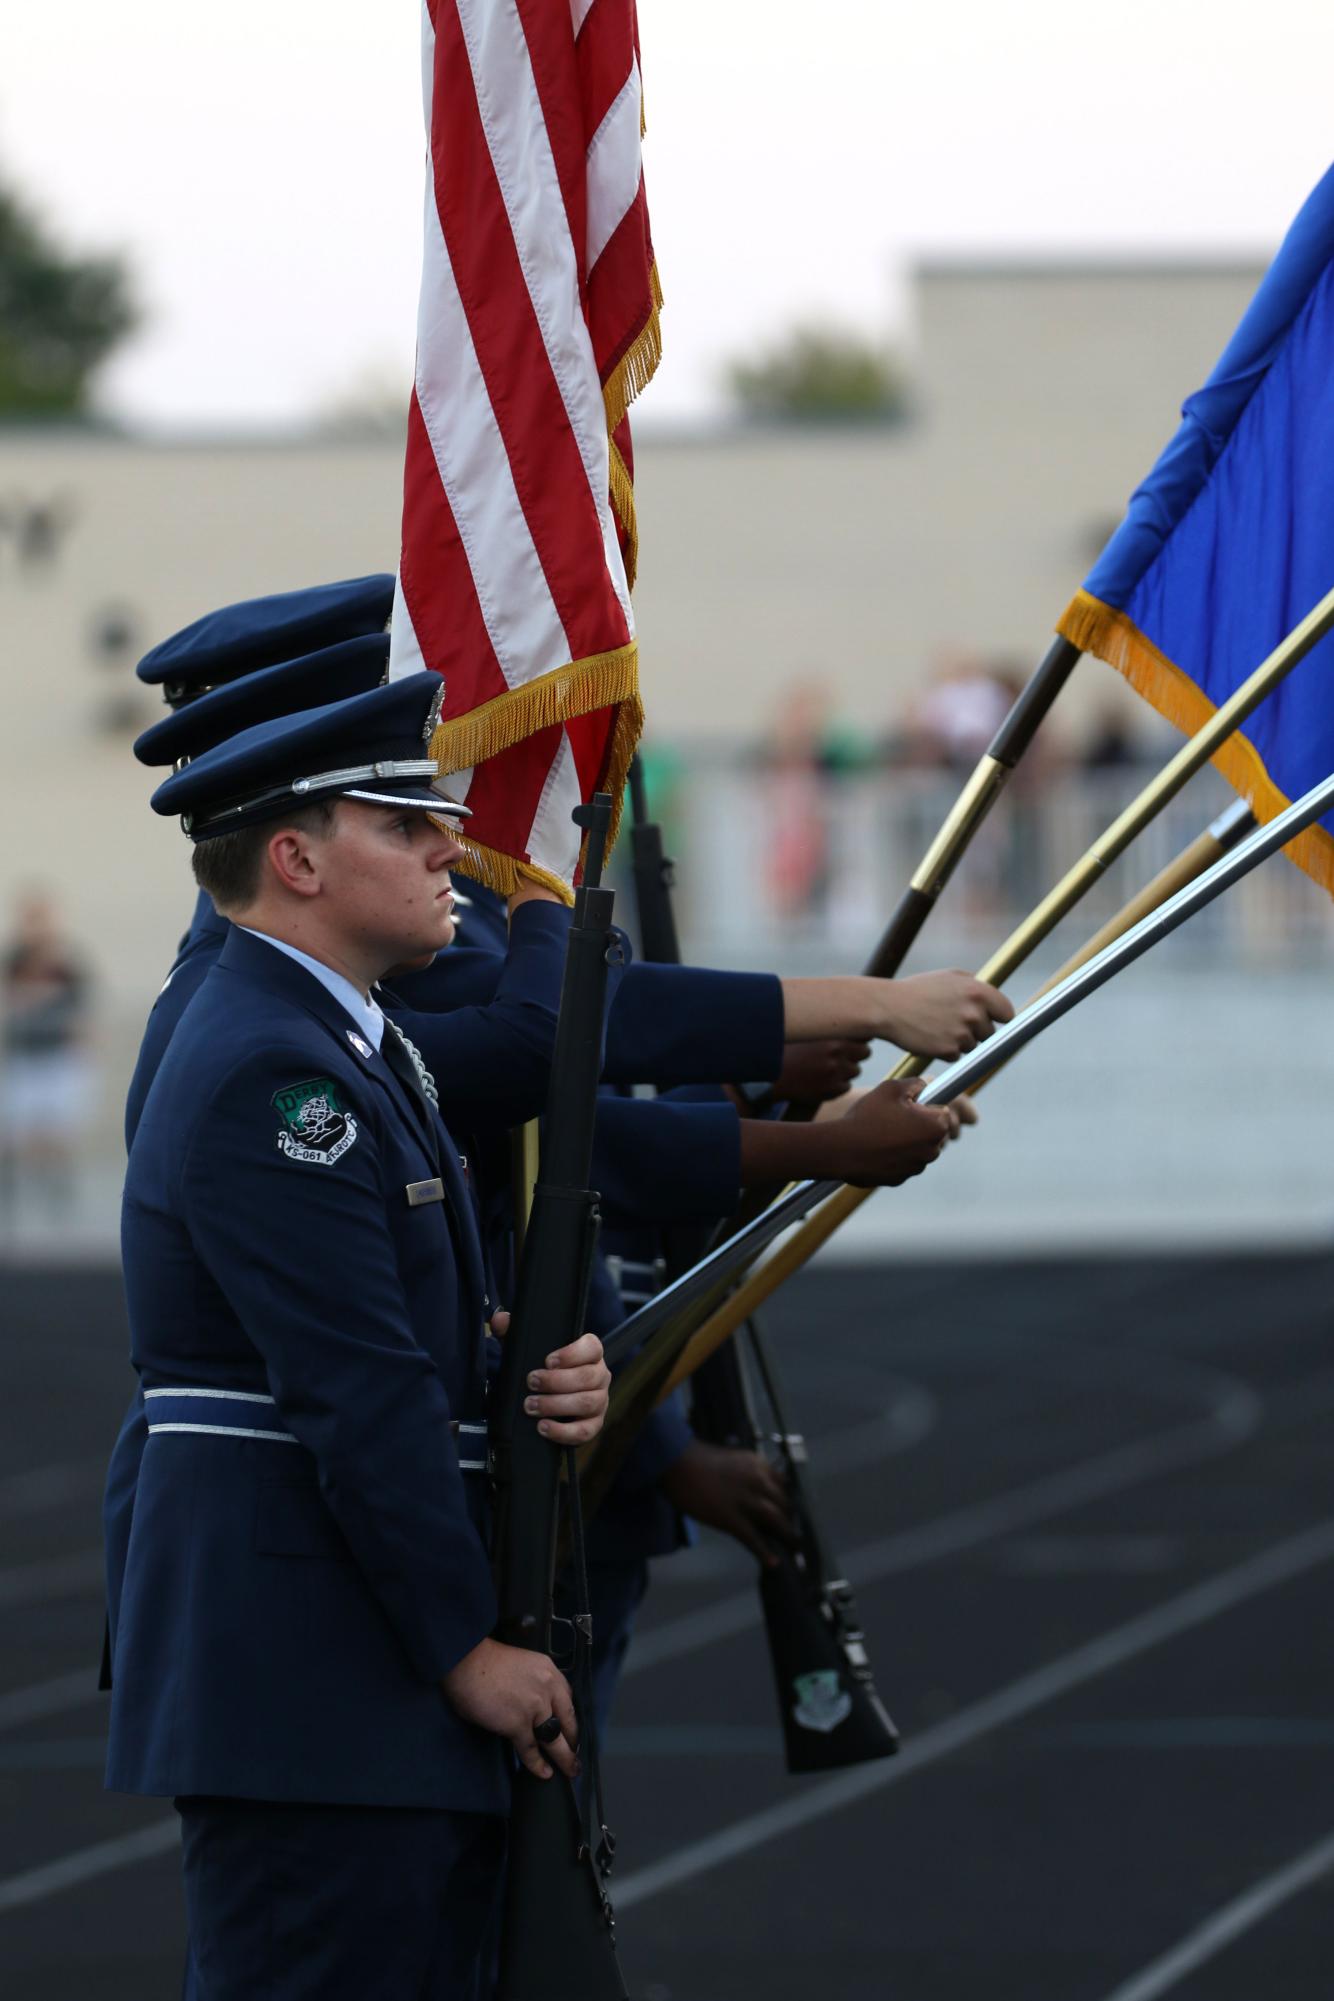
(822, 1701)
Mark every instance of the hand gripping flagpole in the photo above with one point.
(970, 1070)
(673, 1351)
(760, 1283)
(1140, 813)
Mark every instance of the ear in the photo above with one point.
(295, 861)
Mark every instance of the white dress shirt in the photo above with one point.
(364, 1012)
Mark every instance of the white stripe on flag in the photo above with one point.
(405, 653)
(579, 12)
(516, 137)
(615, 166)
(522, 621)
(553, 839)
(428, 76)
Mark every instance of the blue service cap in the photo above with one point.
(372, 747)
(260, 632)
(334, 674)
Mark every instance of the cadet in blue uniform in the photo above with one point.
(682, 1159)
(497, 1060)
(302, 1654)
(657, 1163)
(494, 1057)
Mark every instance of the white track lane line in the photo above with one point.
(57, 1577)
(55, 1486)
(49, 1698)
(1229, 1923)
(1235, 1417)
(1236, 1414)
(1279, 1564)
(158, 1838)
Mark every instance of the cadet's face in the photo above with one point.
(386, 875)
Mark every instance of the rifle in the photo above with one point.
(831, 1713)
(558, 1941)
(711, 1277)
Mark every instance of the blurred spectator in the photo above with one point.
(807, 749)
(47, 1084)
(114, 642)
(37, 528)
(949, 728)
(1111, 745)
(954, 719)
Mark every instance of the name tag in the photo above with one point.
(421, 1192)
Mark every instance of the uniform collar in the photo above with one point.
(208, 921)
(363, 1011)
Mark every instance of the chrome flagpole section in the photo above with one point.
(739, 1251)
(1150, 931)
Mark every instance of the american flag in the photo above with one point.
(536, 326)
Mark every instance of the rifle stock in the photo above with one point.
(558, 1935)
(830, 1712)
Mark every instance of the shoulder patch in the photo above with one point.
(315, 1125)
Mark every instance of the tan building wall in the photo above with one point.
(1044, 394)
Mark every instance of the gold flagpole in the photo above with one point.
(642, 1382)
(631, 1393)
(763, 1281)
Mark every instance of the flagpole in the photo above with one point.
(1193, 755)
(645, 1378)
(970, 809)
(762, 1282)
(711, 1279)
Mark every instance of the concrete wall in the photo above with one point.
(1043, 394)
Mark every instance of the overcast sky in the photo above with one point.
(261, 165)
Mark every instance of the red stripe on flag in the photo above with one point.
(605, 53)
(438, 583)
(544, 457)
(546, 29)
(590, 741)
(619, 299)
(506, 789)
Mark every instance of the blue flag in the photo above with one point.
(1229, 542)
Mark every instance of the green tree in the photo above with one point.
(822, 375)
(61, 317)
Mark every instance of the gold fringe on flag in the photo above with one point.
(637, 366)
(623, 506)
(1098, 628)
(603, 680)
(631, 375)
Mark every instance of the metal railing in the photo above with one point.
(803, 876)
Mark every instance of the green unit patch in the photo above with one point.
(822, 1702)
(315, 1126)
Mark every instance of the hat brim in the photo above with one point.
(448, 809)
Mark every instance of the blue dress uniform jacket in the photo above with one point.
(491, 1062)
(195, 956)
(668, 1025)
(290, 1602)
(494, 1061)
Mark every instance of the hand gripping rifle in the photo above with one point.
(830, 1711)
(558, 1942)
